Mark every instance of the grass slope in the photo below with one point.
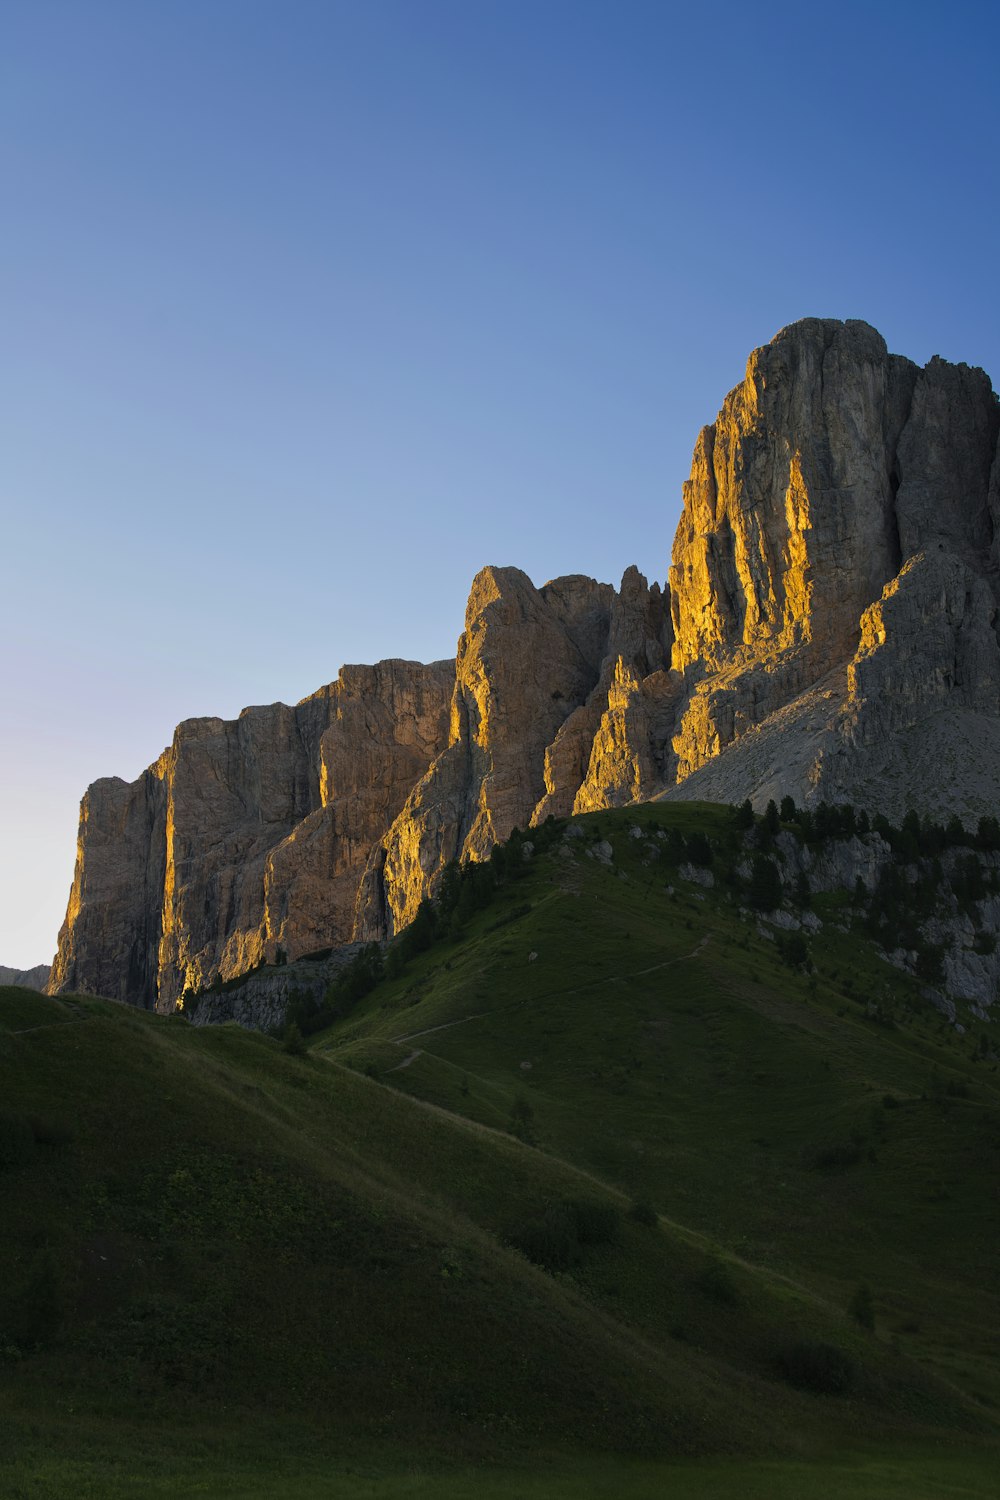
(228, 1268)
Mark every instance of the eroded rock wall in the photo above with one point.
(834, 582)
(297, 829)
(829, 631)
(537, 670)
(247, 836)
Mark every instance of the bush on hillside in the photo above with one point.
(716, 1282)
(832, 1158)
(814, 1366)
(556, 1238)
(743, 815)
(765, 884)
(549, 1241)
(862, 1307)
(699, 850)
(595, 1223)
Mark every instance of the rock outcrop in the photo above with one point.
(259, 1000)
(247, 836)
(26, 979)
(834, 582)
(829, 631)
(292, 830)
(537, 672)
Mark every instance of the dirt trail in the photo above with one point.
(411, 1036)
(406, 1060)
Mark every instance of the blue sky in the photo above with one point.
(312, 309)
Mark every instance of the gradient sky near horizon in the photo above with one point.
(309, 309)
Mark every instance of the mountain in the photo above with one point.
(28, 979)
(624, 1177)
(828, 631)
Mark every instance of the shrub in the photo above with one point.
(595, 1223)
(52, 1130)
(743, 815)
(831, 1158)
(795, 950)
(522, 1120)
(644, 1213)
(292, 1041)
(699, 850)
(549, 1241)
(765, 884)
(716, 1282)
(862, 1307)
(814, 1366)
(557, 1238)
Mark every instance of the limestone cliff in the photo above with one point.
(834, 582)
(537, 670)
(294, 830)
(247, 836)
(829, 630)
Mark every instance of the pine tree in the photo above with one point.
(765, 884)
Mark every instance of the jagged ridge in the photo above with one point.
(829, 631)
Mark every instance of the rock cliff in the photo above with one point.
(247, 836)
(26, 979)
(829, 630)
(834, 582)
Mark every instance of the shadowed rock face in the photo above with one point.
(829, 631)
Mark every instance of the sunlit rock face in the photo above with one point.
(246, 836)
(829, 631)
(297, 829)
(537, 673)
(834, 581)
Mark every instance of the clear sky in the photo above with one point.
(309, 309)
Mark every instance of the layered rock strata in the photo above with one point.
(829, 630)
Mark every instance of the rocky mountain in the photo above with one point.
(27, 979)
(829, 631)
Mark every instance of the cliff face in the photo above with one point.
(535, 673)
(829, 630)
(834, 582)
(299, 829)
(246, 836)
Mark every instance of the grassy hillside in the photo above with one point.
(598, 1173)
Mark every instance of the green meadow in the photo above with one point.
(603, 1193)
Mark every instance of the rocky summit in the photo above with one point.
(828, 631)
